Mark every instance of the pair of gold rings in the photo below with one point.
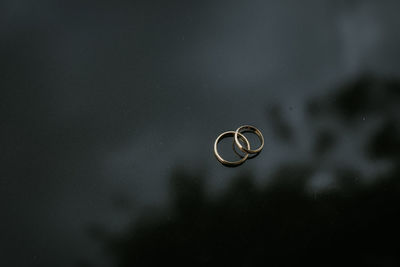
(245, 149)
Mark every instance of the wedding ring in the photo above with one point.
(247, 149)
(227, 134)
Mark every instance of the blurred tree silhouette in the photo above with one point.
(281, 223)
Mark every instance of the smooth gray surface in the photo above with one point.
(101, 101)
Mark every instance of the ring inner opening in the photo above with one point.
(253, 138)
(225, 149)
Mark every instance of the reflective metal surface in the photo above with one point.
(110, 109)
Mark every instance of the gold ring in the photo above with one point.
(252, 129)
(224, 135)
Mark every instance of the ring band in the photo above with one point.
(224, 135)
(252, 129)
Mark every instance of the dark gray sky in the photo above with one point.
(102, 99)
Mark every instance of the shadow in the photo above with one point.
(251, 156)
(285, 222)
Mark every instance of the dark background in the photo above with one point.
(109, 111)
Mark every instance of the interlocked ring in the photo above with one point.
(252, 129)
(226, 162)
